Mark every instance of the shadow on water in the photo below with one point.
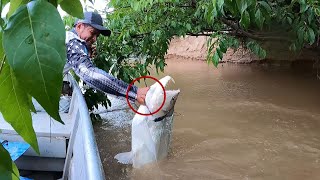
(233, 122)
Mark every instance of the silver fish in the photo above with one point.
(151, 135)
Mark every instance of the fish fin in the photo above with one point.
(124, 158)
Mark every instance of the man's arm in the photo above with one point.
(80, 62)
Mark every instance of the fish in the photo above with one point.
(151, 134)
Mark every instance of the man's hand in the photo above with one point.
(141, 95)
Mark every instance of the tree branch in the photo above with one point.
(241, 33)
(259, 38)
(199, 34)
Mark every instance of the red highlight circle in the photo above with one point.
(164, 95)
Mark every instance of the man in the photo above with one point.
(79, 41)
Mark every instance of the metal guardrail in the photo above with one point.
(83, 160)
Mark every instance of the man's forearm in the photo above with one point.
(105, 82)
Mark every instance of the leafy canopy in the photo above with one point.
(144, 28)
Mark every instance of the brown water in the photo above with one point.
(234, 122)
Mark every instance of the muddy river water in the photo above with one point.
(231, 122)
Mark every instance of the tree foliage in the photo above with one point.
(144, 28)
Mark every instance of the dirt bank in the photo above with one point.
(195, 48)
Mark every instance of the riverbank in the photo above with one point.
(195, 48)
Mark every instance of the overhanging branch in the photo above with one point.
(199, 34)
(239, 32)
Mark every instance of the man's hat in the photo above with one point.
(94, 19)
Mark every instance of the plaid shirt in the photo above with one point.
(79, 60)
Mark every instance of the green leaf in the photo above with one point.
(311, 16)
(35, 48)
(262, 53)
(256, 49)
(219, 5)
(188, 26)
(215, 59)
(265, 5)
(214, 12)
(312, 36)
(14, 4)
(8, 170)
(231, 6)
(222, 46)
(220, 54)
(72, 7)
(259, 19)
(2, 23)
(161, 65)
(289, 20)
(245, 20)
(15, 106)
(242, 5)
(300, 34)
(317, 11)
(303, 7)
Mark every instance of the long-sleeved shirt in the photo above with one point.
(78, 59)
